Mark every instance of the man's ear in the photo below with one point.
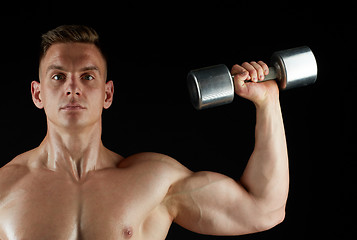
(36, 94)
(109, 92)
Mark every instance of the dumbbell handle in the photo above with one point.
(272, 75)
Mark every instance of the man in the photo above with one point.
(72, 187)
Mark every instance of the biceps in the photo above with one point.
(211, 203)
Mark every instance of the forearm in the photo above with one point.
(266, 176)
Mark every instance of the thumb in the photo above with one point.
(241, 77)
(240, 86)
(240, 74)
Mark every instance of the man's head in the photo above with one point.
(72, 72)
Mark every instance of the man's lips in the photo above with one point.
(72, 106)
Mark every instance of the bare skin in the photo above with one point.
(72, 187)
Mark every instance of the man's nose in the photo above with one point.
(73, 88)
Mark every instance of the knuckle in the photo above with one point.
(237, 69)
(245, 64)
(252, 71)
(261, 63)
(234, 67)
(256, 65)
(237, 66)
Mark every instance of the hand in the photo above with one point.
(258, 93)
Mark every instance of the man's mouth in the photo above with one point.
(72, 107)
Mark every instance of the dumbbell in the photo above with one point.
(213, 86)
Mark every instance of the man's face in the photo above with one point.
(73, 89)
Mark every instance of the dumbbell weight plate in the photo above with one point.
(210, 86)
(297, 67)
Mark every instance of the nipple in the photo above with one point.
(128, 232)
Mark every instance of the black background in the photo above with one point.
(151, 47)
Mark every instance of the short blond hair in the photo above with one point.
(69, 34)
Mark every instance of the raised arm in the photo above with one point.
(211, 203)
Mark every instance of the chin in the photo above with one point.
(74, 121)
(71, 123)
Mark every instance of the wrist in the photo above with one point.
(267, 102)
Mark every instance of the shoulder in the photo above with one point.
(10, 175)
(16, 169)
(149, 158)
(23, 159)
(158, 163)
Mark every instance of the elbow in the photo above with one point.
(271, 220)
(276, 218)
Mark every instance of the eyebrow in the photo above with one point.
(59, 67)
(89, 68)
(55, 67)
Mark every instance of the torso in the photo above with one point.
(114, 203)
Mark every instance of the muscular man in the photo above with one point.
(72, 187)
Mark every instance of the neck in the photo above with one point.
(75, 151)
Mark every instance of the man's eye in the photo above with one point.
(88, 77)
(58, 77)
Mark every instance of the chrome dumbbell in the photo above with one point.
(213, 86)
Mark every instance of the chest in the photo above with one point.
(105, 206)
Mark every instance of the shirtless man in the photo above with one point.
(72, 187)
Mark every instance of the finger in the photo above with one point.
(252, 71)
(259, 69)
(240, 73)
(236, 69)
(265, 67)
